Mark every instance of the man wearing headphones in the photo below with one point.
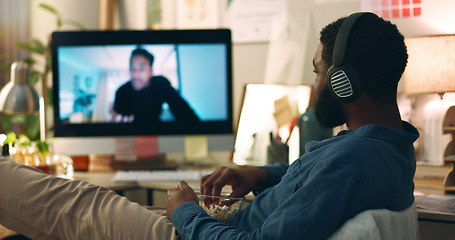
(358, 64)
(370, 166)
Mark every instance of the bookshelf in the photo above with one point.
(448, 127)
(440, 179)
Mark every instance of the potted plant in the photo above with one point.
(38, 49)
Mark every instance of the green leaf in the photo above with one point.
(74, 23)
(6, 122)
(10, 138)
(38, 45)
(30, 47)
(25, 46)
(29, 61)
(24, 140)
(42, 146)
(59, 23)
(50, 9)
(34, 78)
(33, 126)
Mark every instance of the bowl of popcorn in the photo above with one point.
(222, 208)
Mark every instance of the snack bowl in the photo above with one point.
(222, 208)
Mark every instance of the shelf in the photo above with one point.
(449, 150)
(448, 129)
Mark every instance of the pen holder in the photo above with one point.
(277, 152)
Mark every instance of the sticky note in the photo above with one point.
(196, 147)
(146, 146)
(283, 113)
(125, 149)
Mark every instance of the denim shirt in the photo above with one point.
(371, 167)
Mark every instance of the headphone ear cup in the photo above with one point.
(344, 82)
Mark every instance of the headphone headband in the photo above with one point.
(341, 39)
(342, 78)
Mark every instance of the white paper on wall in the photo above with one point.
(291, 49)
(251, 19)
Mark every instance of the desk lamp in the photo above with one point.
(431, 69)
(17, 96)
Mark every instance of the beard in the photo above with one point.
(328, 110)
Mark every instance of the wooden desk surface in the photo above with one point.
(104, 179)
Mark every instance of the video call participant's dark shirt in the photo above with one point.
(146, 104)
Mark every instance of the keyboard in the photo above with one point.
(159, 175)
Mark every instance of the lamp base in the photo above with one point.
(434, 141)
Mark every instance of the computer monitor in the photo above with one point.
(192, 76)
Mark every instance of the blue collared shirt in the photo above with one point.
(371, 167)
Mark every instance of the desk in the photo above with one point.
(436, 225)
(432, 224)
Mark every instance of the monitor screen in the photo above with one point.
(117, 83)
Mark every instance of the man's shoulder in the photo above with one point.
(160, 80)
(126, 87)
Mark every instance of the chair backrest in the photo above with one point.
(380, 224)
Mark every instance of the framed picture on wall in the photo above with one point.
(197, 14)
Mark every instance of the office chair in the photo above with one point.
(380, 224)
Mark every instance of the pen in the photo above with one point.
(294, 122)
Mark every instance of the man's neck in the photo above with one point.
(363, 113)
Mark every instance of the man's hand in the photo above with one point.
(242, 180)
(177, 196)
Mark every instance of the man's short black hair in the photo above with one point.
(144, 53)
(376, 49)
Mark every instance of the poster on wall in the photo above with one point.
(154, 14)
(415, 17)
(251, 20)
(197, 14)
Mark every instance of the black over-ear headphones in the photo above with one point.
(342, 78)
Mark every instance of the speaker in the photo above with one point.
(342, 78)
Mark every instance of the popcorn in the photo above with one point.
(222, 208)
(222, 213)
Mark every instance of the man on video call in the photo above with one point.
(141, 98)
(369, 166)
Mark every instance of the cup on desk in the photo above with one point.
(80, 162)
(277, 152)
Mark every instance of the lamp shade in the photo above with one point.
(17, 96)
(431, 65)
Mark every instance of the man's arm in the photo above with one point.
(311, 212)
(179, 107)
(242, 180)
